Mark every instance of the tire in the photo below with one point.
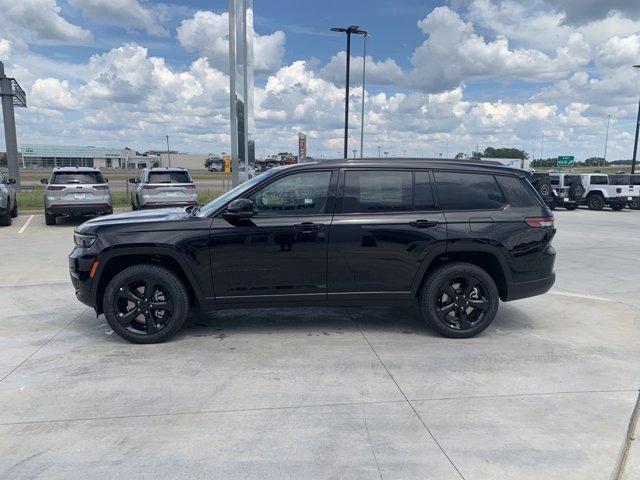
(14, 210)
(617, 207)
(576, 191)
(133, 205)
(5, 220)
(634, 205)
(571, 206)
(595, 202)
(49, 218)
(123, 291)
(455, 277)
(551, 205)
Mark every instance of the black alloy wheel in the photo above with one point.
(634, 205)
(595, 202)
(460, 300)
(145, 303)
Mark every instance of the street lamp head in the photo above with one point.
(353, 28)
(338, 29)
(636, 66)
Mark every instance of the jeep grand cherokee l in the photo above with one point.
(454, 238)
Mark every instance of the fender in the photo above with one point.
(116, 251)
(596, 191)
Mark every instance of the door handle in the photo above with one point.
(423, 224)
(307, 227)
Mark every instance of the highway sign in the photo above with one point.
(565, 161)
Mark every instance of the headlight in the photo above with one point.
(84, 240)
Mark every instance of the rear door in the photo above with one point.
(386, 225)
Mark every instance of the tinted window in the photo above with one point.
(619, 180)
(77, 178)
(555, 180)
(569, 179)
(516, 191)
(169, 177)
(635, 179)
(423, 193)
(371, 191)
(298, 194)
(2, 179)
(599, 180)
(468, 191)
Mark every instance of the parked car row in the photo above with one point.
(595, 190)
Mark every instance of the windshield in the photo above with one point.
(216, 203)
(92, 178)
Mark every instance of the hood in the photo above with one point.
(141, 218)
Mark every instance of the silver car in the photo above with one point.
(76, 191)
(8, 200)
(163, 187)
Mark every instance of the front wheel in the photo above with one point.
(459, 300)
(634, 205)
(571, 206)
(49, 219)
(617, 207)
(14, 210)
(146, 303)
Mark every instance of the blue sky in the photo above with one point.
(442, 75)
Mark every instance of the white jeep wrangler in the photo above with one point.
(567, 189)
(628, 185)
(599, 192)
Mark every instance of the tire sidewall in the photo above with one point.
(168, 280)
(595, 202)
(431, 288)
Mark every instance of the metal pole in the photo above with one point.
(168, 150)
(542, 146)
(235, 177)
(379, 152)
(606, 138)
(364, 67)
(635, 144)
(346, 97)
(6, 90)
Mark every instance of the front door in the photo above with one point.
(386, 227)
(280, 254)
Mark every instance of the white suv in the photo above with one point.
(567, 189)
(599, 192)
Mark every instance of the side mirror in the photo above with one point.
(240, 208)
(12, 180)
(132, 180)
(106, 180)
(44, 181)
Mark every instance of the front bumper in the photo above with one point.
(79, 209)
(167, 204)
(80, 262)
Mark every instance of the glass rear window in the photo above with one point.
(468, 191)
(599, 180)
(516, 192)
(555, 180)
(78, 178)
(169, 177)
(634, 179)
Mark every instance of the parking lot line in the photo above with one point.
(26, 224)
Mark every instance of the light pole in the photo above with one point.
(635, 143)
(348, 31)
(606, 138)
(168, 151)
(365, 35)
(379, 156)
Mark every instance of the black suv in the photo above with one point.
(453, 237)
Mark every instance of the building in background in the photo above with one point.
(191, 161)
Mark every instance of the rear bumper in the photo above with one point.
(516, 291)
(79, 209)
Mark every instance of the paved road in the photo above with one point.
(545, 392)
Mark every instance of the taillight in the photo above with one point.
(618, 190)
(149, 187)
(101, 187)
(55, 187)
(539, 222)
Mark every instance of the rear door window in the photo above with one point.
(468, 191)
(169, 177)
(423, 191)
(77, 178)
(599, 180)
(374, 191)
(619, 180)
(635, 179)
(516, 191)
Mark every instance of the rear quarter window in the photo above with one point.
(516, 191)
(468, 191)
(169, 177)
(619, 180)
(599, 180)
(62, 178)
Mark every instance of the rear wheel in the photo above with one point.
(49, 219)
(634, 205)
(146, 303)
(617, 207)
(595, 202)
(571, 206)
(5, 219)
(14, 210)
(459, 300)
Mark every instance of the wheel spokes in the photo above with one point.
(127, 294)
(149, 289)
(479, 303)
(150, 322)
(445, 309)
(464, 319)
(125, 318)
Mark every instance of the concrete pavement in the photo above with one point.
(545, 392)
